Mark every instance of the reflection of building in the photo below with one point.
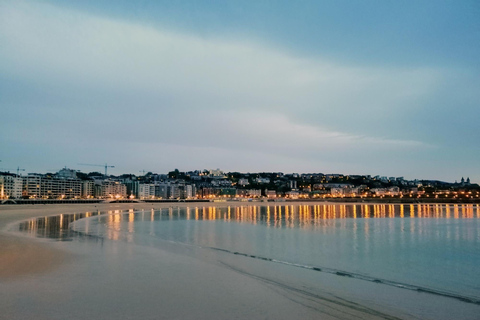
(10, 186)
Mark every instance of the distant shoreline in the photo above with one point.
(257, 201)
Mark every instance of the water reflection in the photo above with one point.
(54, 227)
(313, 217)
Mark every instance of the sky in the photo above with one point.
(386, 88)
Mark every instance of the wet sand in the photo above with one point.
(20, 255)
(45, 279)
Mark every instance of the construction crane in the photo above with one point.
(18, 170)
(97, 165)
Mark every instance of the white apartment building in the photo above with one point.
(243, 182)
(190, 191)
(112, 189)
(254, 193)
(262, 180)
(88, 189)
(146, 191)
(175, 191)
(41, 187)
(271, 193)
(10, 187)
(216, 173)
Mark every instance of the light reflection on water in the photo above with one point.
(296, 216)
(273, 216)
(54, 227)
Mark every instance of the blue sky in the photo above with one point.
(371, 87)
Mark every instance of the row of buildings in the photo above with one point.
(70, 184)
(65, 185)
(37, 186)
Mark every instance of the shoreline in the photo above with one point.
(375, 200)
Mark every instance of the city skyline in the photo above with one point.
(370, 88)
(102, 170)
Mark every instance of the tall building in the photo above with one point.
(10, 186)
(190, 191)
(132, 187)
(161, 190)
(146, 191)
(111, 189)
(88, 189)
(43, 187)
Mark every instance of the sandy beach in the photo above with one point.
(45, 279)
(20, 255)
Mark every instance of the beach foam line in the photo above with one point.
(358, 276)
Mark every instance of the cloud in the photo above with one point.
(96, 77)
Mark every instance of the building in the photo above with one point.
(146, 191)
(293, 194)
(10, 186)
(111, 189)
(88, 189)
(190, 191)
(66, 173)
(270, 193)
(161, 190)
(292, 184)
(174, 191)
(262, 180)
(254, 193)
(337, 192)
(216, 173)
(45, 187)
(243, 182)
(132, 187)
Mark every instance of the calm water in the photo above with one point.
(430, 248)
